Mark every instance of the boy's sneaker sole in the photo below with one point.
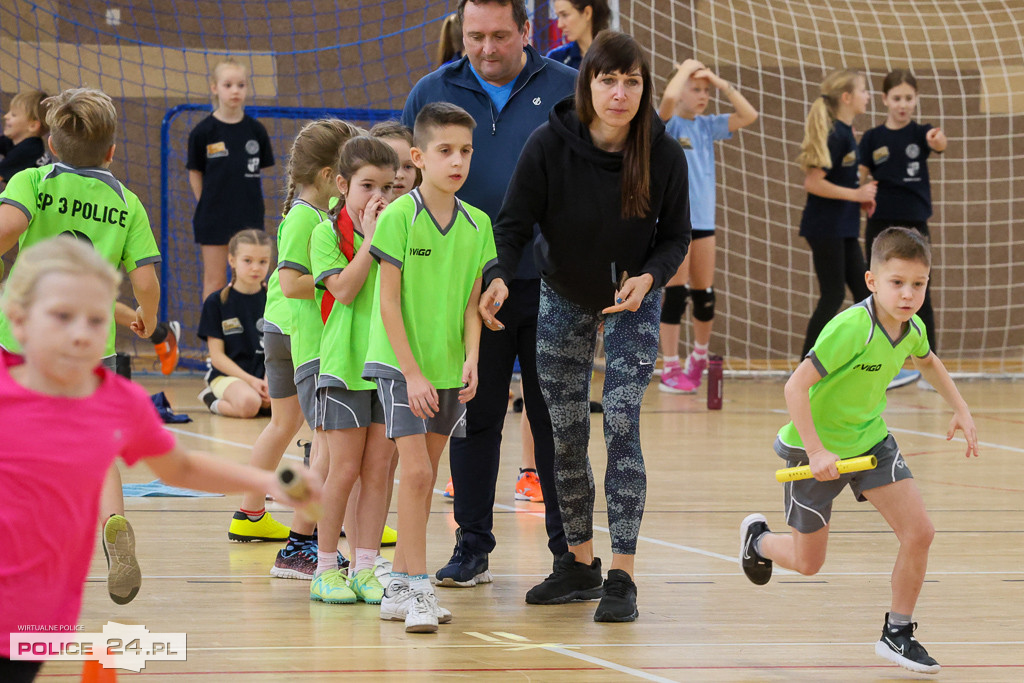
(883, 649)
(449, 582)
(757, 568)
(125, 577)
(576, 596)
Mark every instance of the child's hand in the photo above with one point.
(868, 207)
(142, 327)
(867, 192)
(936, 139)
(368, 216)
(963, 421)
(259, 386)
(470, 379)
(490, 303)
(422, 396)
(711, 77)
(690, 67)
(823, 465)
(631, 294)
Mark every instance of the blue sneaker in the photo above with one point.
(465, 569)
(903, 378)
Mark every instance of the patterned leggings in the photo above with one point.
(566, 337)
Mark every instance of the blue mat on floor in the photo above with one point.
(157, 488)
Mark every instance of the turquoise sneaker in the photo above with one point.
(367, 587)
(332, 587)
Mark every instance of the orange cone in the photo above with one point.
(94, 672)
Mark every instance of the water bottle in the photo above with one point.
(715, 383)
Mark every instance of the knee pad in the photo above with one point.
(703, 304)
(674, 305)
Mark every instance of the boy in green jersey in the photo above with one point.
(80, 197)
(425, 337)
(836, 398)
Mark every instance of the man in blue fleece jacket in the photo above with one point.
(508, 88)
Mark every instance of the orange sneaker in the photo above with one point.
(528, 487)
(167, 350)
(449, 489)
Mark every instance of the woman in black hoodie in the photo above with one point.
(609, 190)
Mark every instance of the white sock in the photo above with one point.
(700, 350)
(671, 360)
(420, 582)
(364, 559)
(325, 561)
(215, 407)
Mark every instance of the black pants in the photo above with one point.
(838, 264)
(474, 458)
(19, 671)
(872, 230)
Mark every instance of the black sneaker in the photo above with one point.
(619, 600)
(758, 569)
(570, 580)
(899, 645)
(465, 569)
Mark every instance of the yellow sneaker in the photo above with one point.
(266, 528)
(125, 576)
(332, 587)
(389, 537)
(367, 587)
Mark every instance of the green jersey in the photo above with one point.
(347, 329)
(439, 265)
(87, 203)
(856, 359)
(278, 316)
(293, 252)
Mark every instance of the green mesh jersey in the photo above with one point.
(88, 203)
(293, 252)
(856, 359)
(439, 266)
(347, 330)
(279, 310)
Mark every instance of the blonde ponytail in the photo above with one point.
(820, 120)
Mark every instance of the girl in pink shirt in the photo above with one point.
(59, 302)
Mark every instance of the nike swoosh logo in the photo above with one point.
(893, 646)
(746, 549)
(643, 363)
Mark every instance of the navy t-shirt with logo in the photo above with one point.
(239, 323)
(898, 160)
(29, 153)
(824, 217)
(230, 156)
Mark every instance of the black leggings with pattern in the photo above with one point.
(566, 337)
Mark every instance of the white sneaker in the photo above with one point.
(421, 617)
(382, 568)
(398, 597)
(443, 615)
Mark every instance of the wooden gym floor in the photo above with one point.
(700, 619)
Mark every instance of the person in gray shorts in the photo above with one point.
(836, 398)
(449, 419)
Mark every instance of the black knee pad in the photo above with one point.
(123, 364)
(674, 305)
(703, 304)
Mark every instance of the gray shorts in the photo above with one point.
(449, 420)
(809, 501)
(277, 350)
(346, 409)
(306, 389)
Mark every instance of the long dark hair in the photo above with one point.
(600, 17)
(614, 52)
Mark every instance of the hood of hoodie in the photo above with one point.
(567, 125)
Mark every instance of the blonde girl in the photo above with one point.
(311, 186)
(59, 302)
(350, 412)
(831, 218)
(226, 151)
(236, 384)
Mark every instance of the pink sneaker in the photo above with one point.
(674, 381)
(695, 369)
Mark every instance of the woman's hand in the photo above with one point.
(631, 294)
(490, 303)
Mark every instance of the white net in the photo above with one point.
(968, 57)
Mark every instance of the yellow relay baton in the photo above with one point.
(864, 462)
